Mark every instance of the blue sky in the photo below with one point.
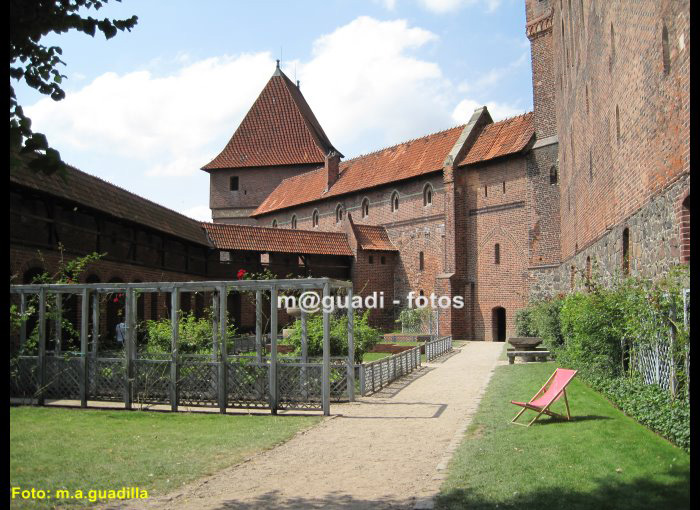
(148, 108)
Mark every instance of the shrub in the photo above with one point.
(366, 336)
(195, 335)
(541, 319)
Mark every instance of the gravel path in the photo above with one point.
(384, 451)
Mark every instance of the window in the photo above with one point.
(553, 177)
(497, 254)
(504, 187)
(233, 183)
(590, 166)
(427, 195)
(665, 50)
(371, 259)
(588, 268)
(293, 222)
(314, 218)
(626, 251)
(617, 122)
(338, 213)
(395, 201)
(365, 207)
(274, 223)
(612, 46)
(421, 261)
(383, 260)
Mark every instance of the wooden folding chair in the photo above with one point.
(553, 390)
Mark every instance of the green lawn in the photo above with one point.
(95, 449)
(601, 459)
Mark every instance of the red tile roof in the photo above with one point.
(371, 237)
(277, 240)
(279, 129)
(500, 139)
(403, 161)
(89, 191)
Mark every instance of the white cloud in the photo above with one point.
(389, 5)
(364, 81)
(446, 6)
(487, 80)
(463, 111)
(199, 212)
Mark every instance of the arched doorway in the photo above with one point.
(498, 324)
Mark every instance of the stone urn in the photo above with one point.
(525, 343)
(294, 312)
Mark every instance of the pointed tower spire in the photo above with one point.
(279, 129)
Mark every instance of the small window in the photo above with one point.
(626, 251)
(395, 201)
(371, 259)
(504, 187)
(590, 166)
(553, 176)
(233, 183)
(427, 195)
(274, 223)
(421, 261)
(293, 222)
(314, 218)
(617, 122)
(486, 191)
(339, 213)
(365, 207)
(612, 45)
(665, 50)
(383, 260)
(497, 254)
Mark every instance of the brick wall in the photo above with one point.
(254, 185)
(622, 117)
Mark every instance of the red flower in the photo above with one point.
(242, 273)
(116, 300)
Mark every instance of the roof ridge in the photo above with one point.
(275, 229)
(402, 143)
(132, 193)
(513, 117)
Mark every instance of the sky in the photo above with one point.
(148, 108)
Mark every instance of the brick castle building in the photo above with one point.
(595, 179)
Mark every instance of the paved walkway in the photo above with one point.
(385, 451)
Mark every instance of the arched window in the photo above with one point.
(626, 251)
(497, 254)
(421, 261)
(427, 195)
(339, 213)
(314, 218)
(365, 207)
(553, 176)
(395, 201)
(293, 222)
(274, 223)
(665, 50)
(588, 268)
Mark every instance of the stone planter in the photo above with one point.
(525, 343)
(294, 312)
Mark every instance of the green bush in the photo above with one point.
(366, 336)
(542, 319)
(649, 404)
(195, 335)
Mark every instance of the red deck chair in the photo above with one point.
(552, 391)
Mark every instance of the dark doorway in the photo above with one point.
(498, 324)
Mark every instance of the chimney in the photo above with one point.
(330, 165)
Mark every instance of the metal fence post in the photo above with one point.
(23, 324)
(58, 325)
(223, 353)
(129, 350)
(273, 350)
(174, 339)
(258, 326)
(304, 353)
(351, 348)
(326, 377)
(41, 358)
(95, 322)
(84, 325)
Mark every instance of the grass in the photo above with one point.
(601, 459)
(374, 356)
(96, 449)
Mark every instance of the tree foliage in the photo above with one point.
(38, 66)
